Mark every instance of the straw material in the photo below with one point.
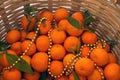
(108, 15)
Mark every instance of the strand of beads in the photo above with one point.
(28, 47)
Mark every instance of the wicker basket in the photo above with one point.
(108, 14)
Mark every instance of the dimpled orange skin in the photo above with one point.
(57, 52)
(12, 74)
(12, 36)
(99, 56)
(56, 67)
(71, 42)
(84, 67)
(42, 43)
(39, 62)
(89, 37)
(32, 48)
(58, 36)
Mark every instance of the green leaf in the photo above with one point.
(113, 42)
(74, 22)
(22, 65)
(88, 18)
(3, 46)
(78, 48)
(28, 26)
(0, 56)
(71, 50)
(75, 75)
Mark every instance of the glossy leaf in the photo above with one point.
(74, 22)
(22, 65)
(71, 50)
(3, 46)
(113, 42)
(75, 76)
(78, 48)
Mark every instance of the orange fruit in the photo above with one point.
(32, 48)
(99, 56)
(71, 77)
(78, 16)
(71, 42)
(62, 78)
(56, 67)
(95, 75)
(30, 35)
(107, 47)
(85, 50)
(84, 67)
(58, 36)
(62, 25)
(112, 58)
(57, 52)
(47, 14)
(67, 58)
(25, 21)
(12, 36)
(27, 59)
(17, 47)
(12, 74)
(71, 30)
(44, 26)
(42, 43)
(60, 14)
(89, 37)
(23, 35)
(3, 59)
(34, 76)
(112, 71)
(39, 61)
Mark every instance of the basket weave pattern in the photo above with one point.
(108, 15)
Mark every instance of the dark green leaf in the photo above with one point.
(71, 50)
(75, 76)
(78, 48)
(113, 42)
(28, 26)
(88, 18)
(0, 56)
(3, 46)
(22, 65)
(43, 76)
(74, 22)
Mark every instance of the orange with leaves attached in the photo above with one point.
(27, 59)
(25, 22)
(71, 42)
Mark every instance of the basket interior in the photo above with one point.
(108, 26)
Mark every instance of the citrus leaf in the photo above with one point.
(74, 22)
(71, 50)
(22, 65)
(113, 42)
(88, 18)
(0, 56)
(28, 26)
(78, 48)
(75, 75)
(3, 46)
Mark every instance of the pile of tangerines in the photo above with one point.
(57, 47)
